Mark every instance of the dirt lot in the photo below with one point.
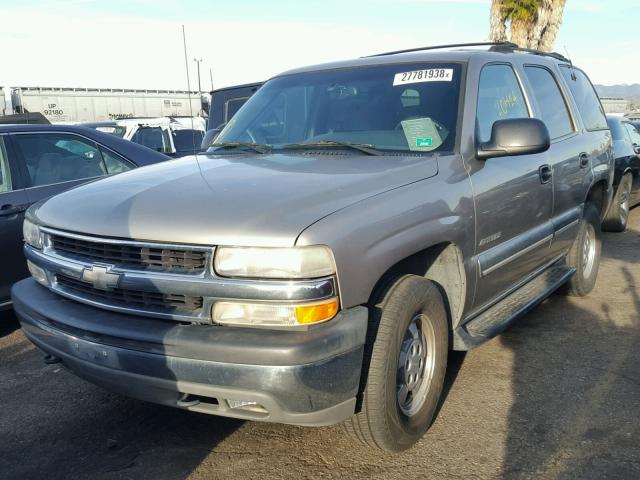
(556, 396)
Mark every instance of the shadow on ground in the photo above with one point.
(576, 380)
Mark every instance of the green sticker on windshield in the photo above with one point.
(424, 142)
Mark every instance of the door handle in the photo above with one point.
(545, 173)
(584, 160)
(9, 209)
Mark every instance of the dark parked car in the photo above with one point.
(355, 222)
(38, 161)
(626, 143)
(225, 102)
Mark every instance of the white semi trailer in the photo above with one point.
(71, 105)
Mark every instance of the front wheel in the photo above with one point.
(407, 360)
(584, 255)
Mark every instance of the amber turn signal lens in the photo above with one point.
(318, 312)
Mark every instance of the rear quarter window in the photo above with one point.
(585, 97)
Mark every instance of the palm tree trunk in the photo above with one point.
(550, 15)
(520, 32)
(498, 28)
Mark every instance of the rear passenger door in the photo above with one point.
(13, 203)
(595, 135)
(569, 155)
(513, 205)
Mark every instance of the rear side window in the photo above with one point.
(553, 110)
(187, 140)
(586, 99)
(499, 98)
(232, 106)
(5, 176)
(114, 163)
(151, 137)
(59, 157)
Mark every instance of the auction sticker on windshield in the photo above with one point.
(419, 76)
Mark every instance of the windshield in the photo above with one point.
(400, 107)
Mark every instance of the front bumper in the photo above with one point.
(302, 377)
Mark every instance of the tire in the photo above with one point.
(409, 325)
(618, 215)
(584, 255)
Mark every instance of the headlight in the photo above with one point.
(31, 234)
(286, 263)
(273, 315)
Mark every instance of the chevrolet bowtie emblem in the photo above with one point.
(101, 277)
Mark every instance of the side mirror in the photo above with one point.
(515, 136)
(636, 148)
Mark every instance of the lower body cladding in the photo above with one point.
(297, 377)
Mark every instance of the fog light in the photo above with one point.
(38, 274)
(273, 315)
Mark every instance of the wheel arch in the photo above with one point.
(443, 264)
(597, 195)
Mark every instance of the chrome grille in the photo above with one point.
(167, 259)
(132, 298)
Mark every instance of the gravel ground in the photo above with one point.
(557, 396)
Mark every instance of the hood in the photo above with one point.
(237, 199)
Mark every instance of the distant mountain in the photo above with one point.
(624, 91)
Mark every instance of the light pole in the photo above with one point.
(198, 61)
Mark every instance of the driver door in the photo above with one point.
(513, 201)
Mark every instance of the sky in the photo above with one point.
(138, 43)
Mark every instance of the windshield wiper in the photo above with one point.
(361, 147)
(256, 147)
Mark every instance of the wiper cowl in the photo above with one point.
(366, 148)
(256, 147)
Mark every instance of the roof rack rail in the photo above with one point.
(438, 47)
(503, 47)
(512, 47)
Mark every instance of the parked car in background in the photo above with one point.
(354, 222)
(225, 102)
(173, 136)
(38, 161)
(626, 143)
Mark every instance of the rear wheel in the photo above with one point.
(584, 255)
(618, 215)
(407, 358)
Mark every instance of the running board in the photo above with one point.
(496, 318)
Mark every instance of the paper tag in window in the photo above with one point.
(419, 76)
(421, 134)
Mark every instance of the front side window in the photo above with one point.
(5, 174)
(586, 99)
(59, 157)
(552, 108)
(399, 107)
(499, 98)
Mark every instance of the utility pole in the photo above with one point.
(211, 76)
(198, 61)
